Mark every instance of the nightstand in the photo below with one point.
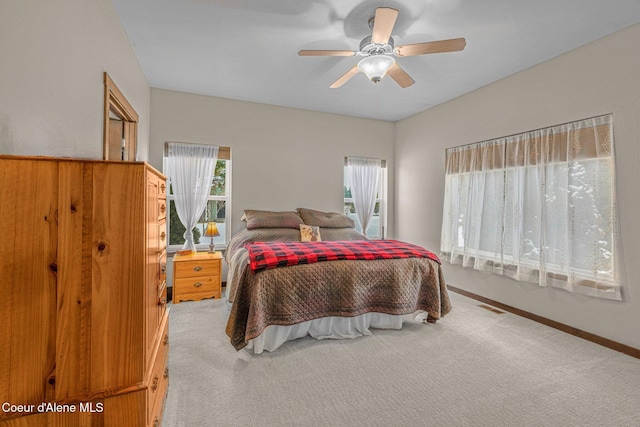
(197, 276)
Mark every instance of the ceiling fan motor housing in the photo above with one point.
(367, 47)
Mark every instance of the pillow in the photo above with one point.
(268, 219)
(325, 219)
(309, 233)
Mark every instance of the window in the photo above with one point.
(376, 226)
(218, 209)
(538, 206)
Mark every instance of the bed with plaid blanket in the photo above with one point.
(264, 255)
(279, 289)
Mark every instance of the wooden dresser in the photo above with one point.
(197, 276)
(84, 323)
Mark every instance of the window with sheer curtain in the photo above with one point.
(364, 194)
(537, 206)
(216, 209)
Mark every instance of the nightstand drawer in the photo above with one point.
(197, 284)
(198, 268)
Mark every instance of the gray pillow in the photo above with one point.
(325, 219)
(268, 219)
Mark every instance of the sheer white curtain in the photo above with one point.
(537, 206)
(190, 170)
(364, 173)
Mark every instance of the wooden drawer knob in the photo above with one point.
(163, 301)
(165, 341)
(163, 208)
(156, 422)
(163, 188)
(163, 236)
(154, 384)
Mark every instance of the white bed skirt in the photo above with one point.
(328, 328)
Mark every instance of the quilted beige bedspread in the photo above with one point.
(294, 294)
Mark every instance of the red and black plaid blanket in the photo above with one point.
(265, 255)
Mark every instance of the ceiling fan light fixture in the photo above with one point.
(376, 66)
(378, 49)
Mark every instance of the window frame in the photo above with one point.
(205, 241)
(381, 200)
(575, 167)
(507, 259)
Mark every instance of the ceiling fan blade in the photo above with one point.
(326, 53)
(400, 76)
(345, 77)
(440, 46)
(383, 24)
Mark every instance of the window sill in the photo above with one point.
(554, 272)
(217, 248)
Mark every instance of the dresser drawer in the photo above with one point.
(162, 265)
(162, 209)
(162, 236)
(162, 189)
(162, 300)
(197, 268)
(157, 392)
(159, 380)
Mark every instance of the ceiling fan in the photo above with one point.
(378, 50)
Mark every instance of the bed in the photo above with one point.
(342, 297)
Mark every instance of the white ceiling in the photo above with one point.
(247, 49)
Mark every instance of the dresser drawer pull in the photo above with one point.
(166, 373)
(198, 268)
(197, 284)
(154, 385)
(163, 188)
(163, 301)
(163, 269)
(163, 208)
(163, 236)
(165, 341)
(156, 422)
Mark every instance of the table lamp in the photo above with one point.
(211, 231)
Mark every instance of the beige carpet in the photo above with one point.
(473, 368)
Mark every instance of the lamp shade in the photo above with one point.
(212, 230)
(376, 66)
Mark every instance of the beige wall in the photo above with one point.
(601, 77)
(51, 94)
(51, 85)
(283, 158)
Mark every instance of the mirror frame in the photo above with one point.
(115, 101)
